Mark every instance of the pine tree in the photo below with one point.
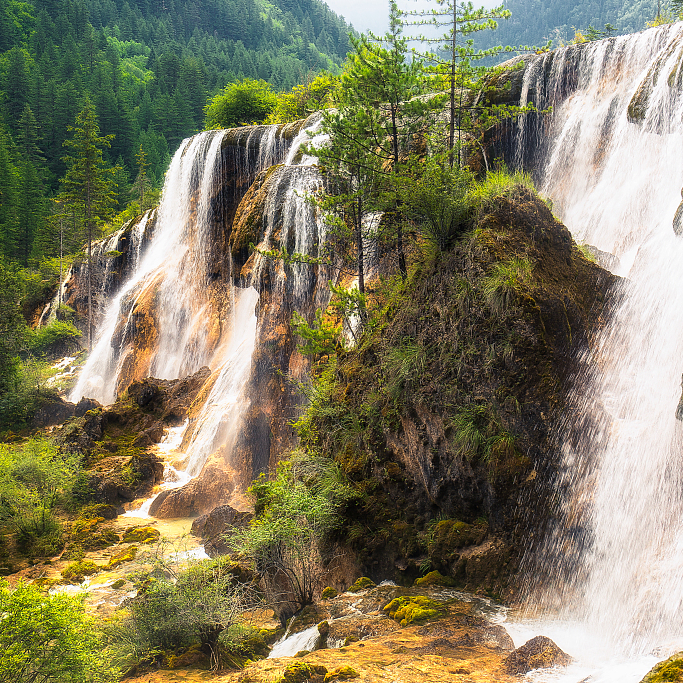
(456, 67)
(88, 184)
(142, 182)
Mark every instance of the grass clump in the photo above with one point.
(413, 610)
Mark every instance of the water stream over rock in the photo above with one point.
(611, 159)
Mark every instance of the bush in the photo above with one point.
(48, 639)
(59, 336)
(34, 479)
(174, 610)
(240, 104)
(287, 542)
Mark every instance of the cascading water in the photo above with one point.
(613, 166)
(175, 314)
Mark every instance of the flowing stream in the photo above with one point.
(616, 551)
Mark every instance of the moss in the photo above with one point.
(414, 610)
(87, 533)
(669, 671)
(77, 571)
(435, 579)
(145, 534)
(119, 583)
(329, 593)
(125, 555)
(450, 535)
(342, 673)
(361, 584)
(301, 672)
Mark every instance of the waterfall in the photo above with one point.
(183, 307)
(612, 163)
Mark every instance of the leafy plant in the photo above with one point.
(49, 639)
(287, 543)
(239, 104)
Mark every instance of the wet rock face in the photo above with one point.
(538, 653)
(113, 440)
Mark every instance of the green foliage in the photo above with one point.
(34, 478)
(287, 542)
(49, 639)
(498, 183)
(176, 607)
(240, 104)
(320, 337)
(316, 93)
(77, 571)
(439, 202)
(504, 283)
(57, 336)
(477, 433)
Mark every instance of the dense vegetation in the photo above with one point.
(534, 22)
(148, 69)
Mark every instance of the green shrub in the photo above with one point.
(49, 639)
(58, 336)
(240, 104)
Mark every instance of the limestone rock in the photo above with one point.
(53, 411)
(212, 526)
(538, 653)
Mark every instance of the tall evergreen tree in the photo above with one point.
(88, 183)
(454, 61)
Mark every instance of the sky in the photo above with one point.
(372, 14)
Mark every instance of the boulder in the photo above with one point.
(213, 526)
(53, 411)
(538, 653)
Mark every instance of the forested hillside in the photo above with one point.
(148, 67)
(534, 22)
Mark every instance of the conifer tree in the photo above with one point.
(142, 181)
(88, 185)
(453, 63)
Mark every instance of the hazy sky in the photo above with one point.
(372, 14)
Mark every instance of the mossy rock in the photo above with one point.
(414, 610)
(119, 583)
(342, 673)
(145, 534)
(301, 672)
(126, 555)
(329, 593)
(98, 510)
(669, 671)
(87, 533)
(435, 579)
(450, 535)
(360, 585)
(308, 616)
(77, 571)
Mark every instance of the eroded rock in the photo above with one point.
(538, 653)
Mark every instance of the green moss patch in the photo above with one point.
(361, 584)
(669, 671)
(301, 672)
(126, 555)
(435, 579)
(342, 673)
(77, 571)
(145, 534)
(329, 593)
(414, 610)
